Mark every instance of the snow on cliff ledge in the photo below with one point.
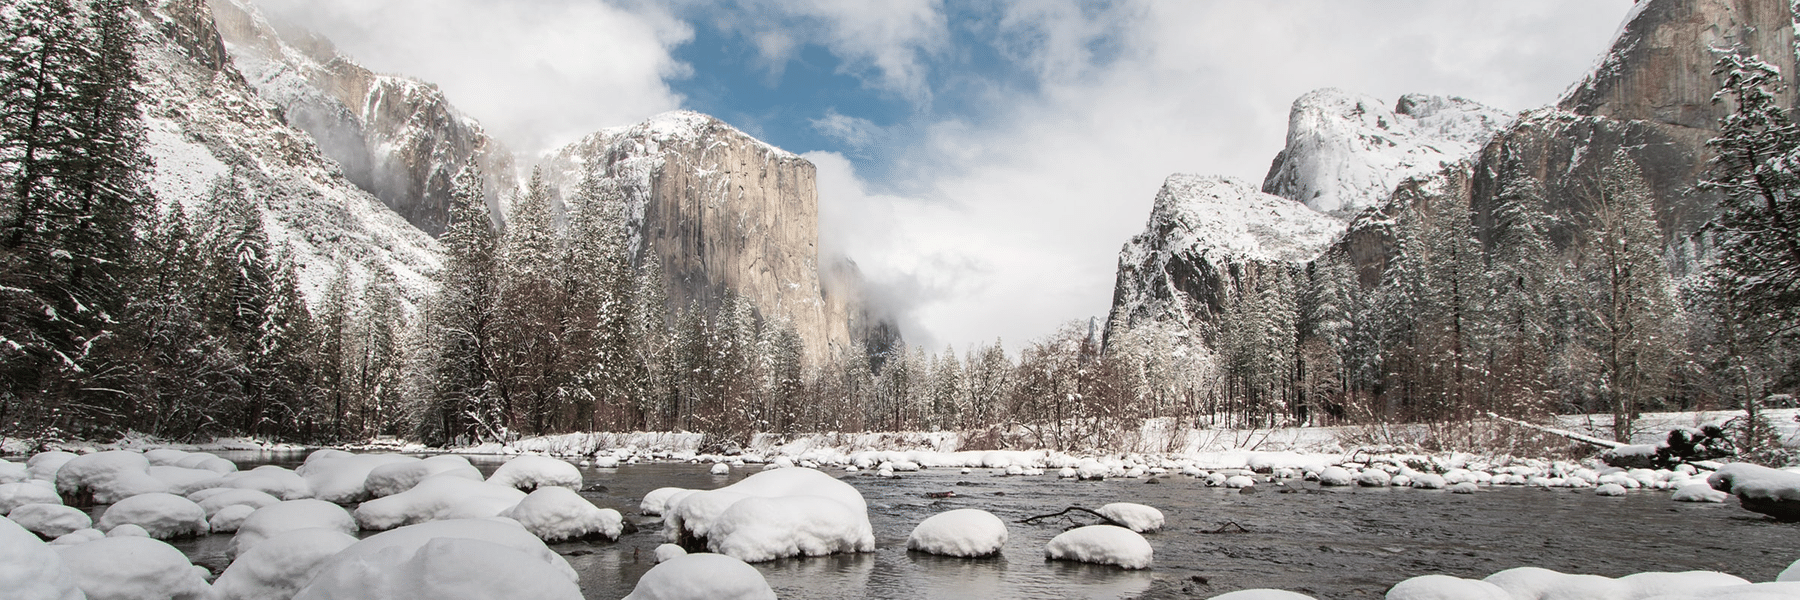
(1211, 214)
(1347, 151)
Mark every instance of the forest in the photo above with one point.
(181, 318)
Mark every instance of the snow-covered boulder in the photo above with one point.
(1238, 482)
(668, 552)
(1792, 573)
(181, 478)
(721, 469)
(12, 472)
(532, 472)
(964, 532)
(1535, 583)
(163, 516)
(558, 513)
(278, 567)
(1761, 489)
(1101, 544)
(1445, 587)
(656, 501)
(79, 536)
(34, 491)
(702, 576)
(106, 477)
(1698, 491)
(1136, 517)
(472, 559)
(273, 480)
(1430, 481)
(134, 568)
(340, 477)
(813, 514)
(50, 521)
(1610, 489)
(1464, 487)
(232, 497)
(438, 497)
(44, 465)
(1373, 478)
(31, 569)
(1652, 584)
(230, 518)
(1262, 594)
(127, 530)
(393, 478)
(290, 515)
(1336, 476)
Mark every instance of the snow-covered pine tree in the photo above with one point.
(1327, 305)
(533, 316)
(990, 384)
(238, 284)
(1758, 229)
(376, 359)
(334, 328)
(291, 357)
(1524, 272)
(463, 318)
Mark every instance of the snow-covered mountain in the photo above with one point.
(397, 138)
(1206, 234)
(204, 121)
(1346, 151)
(721, 211)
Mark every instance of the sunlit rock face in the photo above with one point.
(1205, 235)
(722, 212)
(204, 122)
(395, 137)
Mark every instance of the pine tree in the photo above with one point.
(1758, 229)
(239, 286)
(1524, 279)
(335, 330)
(533, 317)
(464, 318)
(1628, 310)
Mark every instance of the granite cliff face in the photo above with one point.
(1345, 152)
(1206, 235)
(203, 121)
(722, 211)
(395, 137)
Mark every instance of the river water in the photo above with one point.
(1331, 543)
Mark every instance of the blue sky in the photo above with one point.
(982, 161)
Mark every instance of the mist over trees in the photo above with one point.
(182, 317)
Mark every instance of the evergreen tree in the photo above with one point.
(1627, 311)
(1758, 229)
(239, 286)
(533, 317)
(464, 318)
(1525, 275)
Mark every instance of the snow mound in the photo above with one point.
(1101, 544)
(446, 560)
(1262, 594)
(668, 552)
(1136, 517)
(1646, 585)
(1698, 492)
(702, 576)
(50, 521)
(230, 518)
(31, 569)
(657, 500)
(224, 497)
(36, 491)
(79, 536)
(1373, 478)
(1769, 491)
(1445, 587)
(278, 567)
(393, 478)
(1792, 573)
(80, 475)
(338, 476)
(12, 472)
(1464, 487)
(1336, 476)
(134, 568)
(815, 514)
(127, 530)
(438, 497)
(721, 469)
(44, 465)
(532, 472)
(275, 481)
(290, 515)
(1430, 481)
(558, 513)
(163, 516)
(964, 532)
(1610, 489)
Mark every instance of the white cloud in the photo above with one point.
(855, 132)
(886, 44)
(536, 73)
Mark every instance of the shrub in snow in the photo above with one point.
(486, 559)
(163, 516)
(14, 495)
(533, 472)
(558, 513)
(78, 536)
(50, 521)
(32, 570)
(1761, 489)
(134, 568)
(435, 498)
(1262, 594)
(1136, 517)
(668, 552)
(337, 476)
(1698, 491)
(655, 502)
(393, 478)
(1610, 489)
(1103, 545)
(1335, 476)
(966, 532)
(290, 515)
(1445, 587)
(702, 577)
(278, 567)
